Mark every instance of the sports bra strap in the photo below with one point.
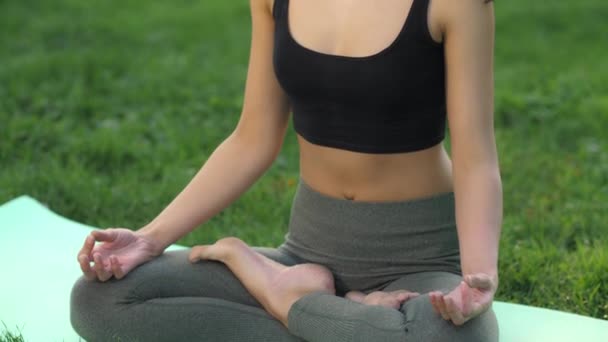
(419, 17)
(277, 9)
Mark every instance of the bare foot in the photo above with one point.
(390, 299)
(274, 285)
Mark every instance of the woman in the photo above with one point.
(387, 241)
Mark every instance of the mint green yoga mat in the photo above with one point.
(38, 267)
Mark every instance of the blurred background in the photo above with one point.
(108, 108)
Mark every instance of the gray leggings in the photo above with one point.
(368, 246)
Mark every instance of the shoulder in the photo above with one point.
(453, 15)
(262, 6)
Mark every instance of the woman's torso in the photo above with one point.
(363, 28)
(368, 177)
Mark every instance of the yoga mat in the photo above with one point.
(38, 268)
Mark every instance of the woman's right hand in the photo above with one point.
(120, 251)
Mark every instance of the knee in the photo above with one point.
(82, 295)
(424, 324)
(87, 294)
(91, 306)
(80, 305)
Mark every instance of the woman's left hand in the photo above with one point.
(469, 299)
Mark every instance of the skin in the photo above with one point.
(466, 27)
(277, 286)
(359, 28)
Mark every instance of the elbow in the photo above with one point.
(487, 174)
(481, 162)
(265, 151)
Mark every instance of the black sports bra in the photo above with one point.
(389, 102)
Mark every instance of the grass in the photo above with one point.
(107, 110)
(8, 336)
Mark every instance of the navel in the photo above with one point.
(349, 197)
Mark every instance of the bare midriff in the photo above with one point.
(375, 177)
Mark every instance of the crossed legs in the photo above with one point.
(302, 297)
(171, 299)
(253, 295)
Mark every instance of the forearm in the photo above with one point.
(230, 170)
(478, 195)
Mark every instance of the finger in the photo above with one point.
(453, 311)
(85, 266)
(433, 303)
(433, 298)
(104, 235)
(480, 281)
(466, 299)
(194, 255)
(201, 252)
(477, 308)
(87, 247)
(442, 307)
(116, 267)
(102, 274)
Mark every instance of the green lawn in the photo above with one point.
(107, 110)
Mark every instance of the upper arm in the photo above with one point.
(469, 56)
(265, 112)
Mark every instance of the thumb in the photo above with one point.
(196, 253)
(480, 281)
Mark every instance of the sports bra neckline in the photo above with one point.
(383, 51)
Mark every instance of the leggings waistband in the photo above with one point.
(437, 209)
